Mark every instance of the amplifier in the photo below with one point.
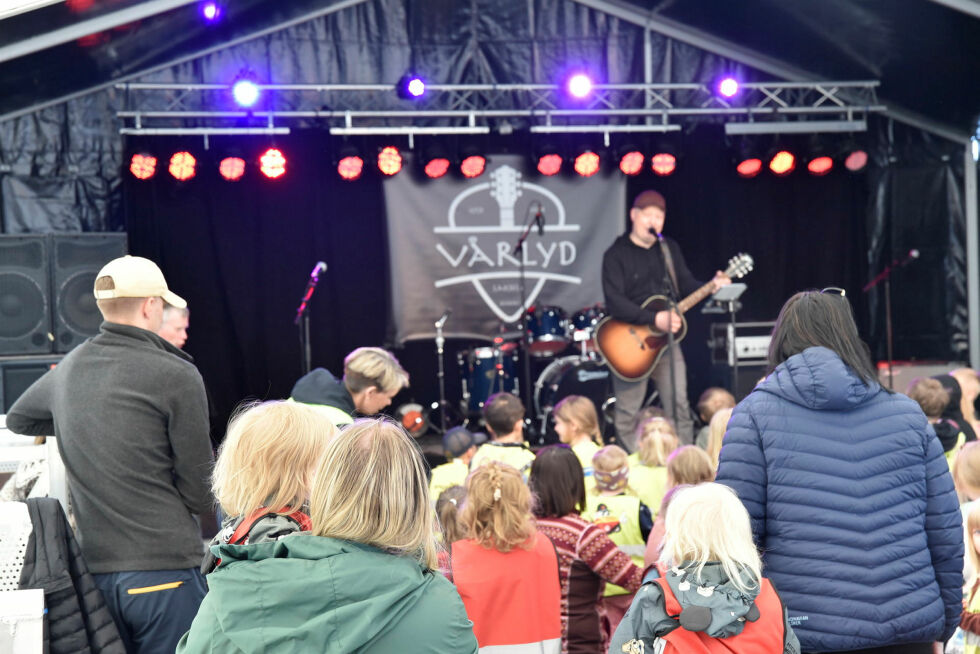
(745, 342)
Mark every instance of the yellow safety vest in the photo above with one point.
(648, 482)
(619, 516)
(446, 476)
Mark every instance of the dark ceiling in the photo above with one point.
(926, 55)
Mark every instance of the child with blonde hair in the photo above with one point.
(577, 425)
(656, 439)
(627, 520)
(505, 570)
(712, 400)
(712, 586)
(448, 507)
(264, 472)
(716, 434)
(970, 618)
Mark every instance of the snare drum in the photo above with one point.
(547, 330)
(485, 371)
(583, 325)
(571, 376)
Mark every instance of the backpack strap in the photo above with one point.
(240, 535)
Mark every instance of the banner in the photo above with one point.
(452, 246)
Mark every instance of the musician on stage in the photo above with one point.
(633, 269)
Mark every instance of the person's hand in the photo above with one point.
(720, 279)
(937, 648)
(667, 321)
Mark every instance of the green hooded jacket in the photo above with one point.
(311, 594)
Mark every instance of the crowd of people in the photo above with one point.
(820, 514)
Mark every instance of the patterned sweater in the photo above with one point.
(587, 558)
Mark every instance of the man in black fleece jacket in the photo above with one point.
(130, 414)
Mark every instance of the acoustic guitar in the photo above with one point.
(632, 351)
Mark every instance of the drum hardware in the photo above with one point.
(582, 328)
(485, 371)
(547, 331)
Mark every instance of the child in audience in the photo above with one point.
(966, 478)
(656, 439)
(711, 401)
(587, 558)
(505, 570)
(933, 399)
(712, 586)
(460, 446)
(504, 415)
(447, 510)
(970, 618)
(577, 425)
(687, 465)
(624, 517)
(716, 434)
(264, 472)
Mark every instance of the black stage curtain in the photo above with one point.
(241, 253)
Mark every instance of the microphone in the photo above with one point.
(539, 219)
(318, 269)
(442, 321)
(654, 233)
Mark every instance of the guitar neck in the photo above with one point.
(694, 298)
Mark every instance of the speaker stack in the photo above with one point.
(46, 301)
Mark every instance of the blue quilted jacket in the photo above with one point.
(852, 504)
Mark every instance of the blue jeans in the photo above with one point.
(152, 608)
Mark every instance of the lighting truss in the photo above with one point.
(480, 108)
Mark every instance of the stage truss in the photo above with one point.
(375, 109)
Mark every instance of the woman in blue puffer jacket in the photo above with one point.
(851, 499)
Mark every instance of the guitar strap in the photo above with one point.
(669, 263)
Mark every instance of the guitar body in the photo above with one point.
(633, 351)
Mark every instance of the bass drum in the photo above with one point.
(572, 375)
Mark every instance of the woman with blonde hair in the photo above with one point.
(363, 581)
(577, 425)
(505, 571)
(656, 439)
(716, 433)
(708, 553)
(264, 472)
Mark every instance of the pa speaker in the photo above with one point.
(25, 309)
(18, 373)
(75, 261)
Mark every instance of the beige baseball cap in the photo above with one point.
(137, 277)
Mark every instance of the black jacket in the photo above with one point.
(631, 274)
(77, 620)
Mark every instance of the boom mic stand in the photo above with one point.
(884, 276)
(302, 315)
(522, 325)
(672, 308)
(440, 342)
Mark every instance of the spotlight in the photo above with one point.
(782, 163)
(549, 164)
(473, 166)
(436, 168)
(749, 168)
(410, 87)
(663, 164)
(587, 163)
(272, 163)
(579, 85)
(211, 11)
(143, 165)
(820, 166)
(232, 168)
(856, 161)
(631, 160)
(246, 92)
(389, 160)
(350, 167)
(727, 87)
(183, 166)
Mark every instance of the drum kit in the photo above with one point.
(562, 352)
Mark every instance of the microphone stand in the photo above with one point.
(303, 316)
(441, 375)
(522, 325)
(672, 308)
(884, 276)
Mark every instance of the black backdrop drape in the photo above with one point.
(240, 253)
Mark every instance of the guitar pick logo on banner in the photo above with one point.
(484, 224)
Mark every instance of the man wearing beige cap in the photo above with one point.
(131, 420)
(638, 265)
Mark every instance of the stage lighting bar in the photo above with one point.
(204, 131)
(796, 127)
